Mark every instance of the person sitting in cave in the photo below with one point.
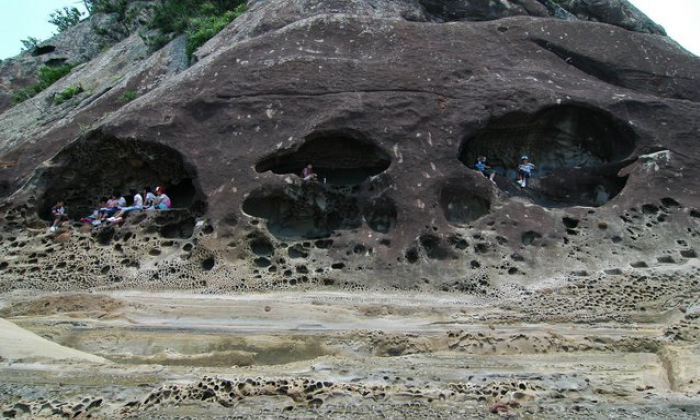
(162, 200)
(482, 165)
(524, 171)
(109, 209)
(308, 174)
(150, 198)
(95, 214)
(121, 201)
(137, 205)
(58, 212)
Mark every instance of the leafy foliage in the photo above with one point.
(107, 6)
(67, 94)
(199, 21)
(29, 44)
(47, 76)
(128, 96)
(65, 18)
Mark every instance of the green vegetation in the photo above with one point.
(109, 6)
(199, 21)
(29, 44)
(67, 94)
(47, 76)
(66, 18)
(128, 96)
(84, 128)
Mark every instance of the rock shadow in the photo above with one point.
(98, 165)
(339, 158)
(461, 205)
(310, 211)
(578, 152)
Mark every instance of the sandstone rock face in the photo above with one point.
(80, 44)
(392, 102)
(403, 282)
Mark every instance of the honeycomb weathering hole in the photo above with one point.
(381, 214)
(46, 49)
(578, 152)
(341, 158)
(462, 206)
(309, 212)
(99, 165)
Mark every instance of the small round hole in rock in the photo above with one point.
(208, 263)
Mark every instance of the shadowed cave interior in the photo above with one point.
(460, 205)
(339, 158)
(96, 166)
(343, 160)
(314, 211)
(578, 153)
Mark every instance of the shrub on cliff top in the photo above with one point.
(199, 21)
(66, 18)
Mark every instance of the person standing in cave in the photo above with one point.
(482, 165)
(162, 200)
(308, 174)
(59, 215)
(524, 171)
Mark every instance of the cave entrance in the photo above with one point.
(99, 165)
(339, 158)
(311, 212)
(578, 152)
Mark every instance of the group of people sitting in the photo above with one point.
(524, 169)
(115, 208)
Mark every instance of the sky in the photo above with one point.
(19, 21)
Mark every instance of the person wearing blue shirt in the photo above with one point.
(482, 165)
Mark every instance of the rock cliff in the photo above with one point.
(392, 102)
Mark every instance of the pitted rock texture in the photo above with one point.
(340, 355)
(392, 111)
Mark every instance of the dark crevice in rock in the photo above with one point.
(338, 157)
(45, 49)
(578, 152)
(56, 62)
(611, 73)
(588, 65)
(460, 10)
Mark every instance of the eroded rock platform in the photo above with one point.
(335, 354)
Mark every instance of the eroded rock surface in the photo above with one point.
(391, 102)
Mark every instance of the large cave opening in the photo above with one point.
(309, 212)
(99, 165)
(578, 152)
(338, 157)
